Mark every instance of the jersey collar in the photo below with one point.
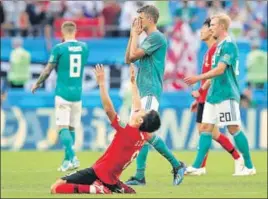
(226, 38)
(70, 40)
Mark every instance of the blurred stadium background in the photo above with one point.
(27, 121)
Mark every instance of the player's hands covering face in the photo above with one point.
(99, 72)
(136, 26)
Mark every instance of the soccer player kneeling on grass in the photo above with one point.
(103, 176)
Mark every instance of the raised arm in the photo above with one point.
(127, 55)
(105, 98)
(136, 101)
(43, 76)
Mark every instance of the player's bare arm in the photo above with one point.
(43, 76)
(196, 94)
(127, 56)
(136, 100)
(212, 73)
(135, 52)
(205, 86)
(105, 98)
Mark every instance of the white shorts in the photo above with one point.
(223, 114)
(67, 113)
(148, 103)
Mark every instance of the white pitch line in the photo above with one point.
(28, 171)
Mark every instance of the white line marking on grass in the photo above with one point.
(28, 171)
(23, 190)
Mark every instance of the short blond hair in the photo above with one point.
(68, 27)
(223, 19)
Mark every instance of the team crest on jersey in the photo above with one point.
(51, 58)
(226, 58)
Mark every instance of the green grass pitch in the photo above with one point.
(29, 174)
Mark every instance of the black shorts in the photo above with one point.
(200, 110)
(88, 176)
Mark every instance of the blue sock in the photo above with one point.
(162, 148)
(73, 136)
(67, 142)
(242, 145)
(205, 140)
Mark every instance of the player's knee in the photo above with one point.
(71, 128)
(233, 129)
(60, 127)
(53, 188)
(206, 128)
(215, 133)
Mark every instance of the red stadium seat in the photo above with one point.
(86, 27)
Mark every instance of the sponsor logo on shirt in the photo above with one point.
(226, 58)
(75, 48)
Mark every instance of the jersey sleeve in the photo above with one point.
(151, 44)
(117, 124)
(86, 51)
(227, 55)
(54, 56)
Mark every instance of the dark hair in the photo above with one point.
(151, 122)
(150, 10)
(207, 22)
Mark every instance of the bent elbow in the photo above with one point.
(132, 58)
(221, 71)
(127, 60)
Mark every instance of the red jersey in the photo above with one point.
(207, 62)
(124, 148)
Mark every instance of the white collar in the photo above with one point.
(226, 38)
